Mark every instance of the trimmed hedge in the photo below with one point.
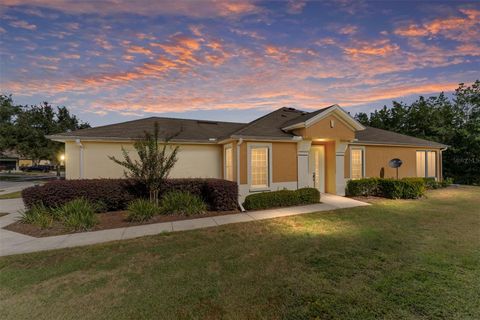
(281, 198)
(407, 188)
(116, 194)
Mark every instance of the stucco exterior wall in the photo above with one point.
(200, 161)
(284, 162)
(323, 130)
(377, 157)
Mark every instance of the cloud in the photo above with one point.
(348, 30)
(144, 7)
(247, 33)
(377, 48)
(23, 24)
(460, 28)
(295, 6)
(139, 50)
(2, 30)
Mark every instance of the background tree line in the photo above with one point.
(452, 121)
(23, 129)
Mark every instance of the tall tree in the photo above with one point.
(454, 122)
(23, 128)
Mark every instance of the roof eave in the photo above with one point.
(393, 144)
(60, 138)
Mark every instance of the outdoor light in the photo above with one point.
(62, 157)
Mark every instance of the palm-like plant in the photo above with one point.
(155, 160)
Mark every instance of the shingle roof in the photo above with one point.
(183, 129)
(269, 127)
(305, 116)
(379, 136)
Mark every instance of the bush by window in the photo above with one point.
(281, 198)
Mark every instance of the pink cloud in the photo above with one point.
(23, 24)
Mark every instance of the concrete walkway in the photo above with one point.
(15, 243)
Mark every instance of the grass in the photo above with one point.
(12, 195)
(396, 259)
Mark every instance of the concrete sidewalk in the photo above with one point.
(15, 243)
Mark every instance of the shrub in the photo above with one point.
(309, 195)
(401, 189)
(38, 215)
(78, 214)
(116, 194)
(142, 210)
(221, 195)
(181, 202)
(363, 187)
(281, 198)
(407, 188)
(446, 182)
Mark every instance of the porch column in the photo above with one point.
(303, 151)
(340, 148)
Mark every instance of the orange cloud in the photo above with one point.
(455, 28)
(379, 48)
(139, 50)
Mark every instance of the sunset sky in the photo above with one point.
(118, 60)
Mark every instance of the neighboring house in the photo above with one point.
(8, 161)
(286, 148)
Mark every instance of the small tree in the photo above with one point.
(154, 163)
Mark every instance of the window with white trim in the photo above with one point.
(426, 163)
(357, 165)
(228, 163)
(259, 167)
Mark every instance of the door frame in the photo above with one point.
(322, 178)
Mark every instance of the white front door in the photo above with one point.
(317, 167)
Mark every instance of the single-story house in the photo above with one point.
(286, 148)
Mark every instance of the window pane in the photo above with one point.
(357, 164)
(432, 163)
(420, 163)
(259, 167)
(228, 164)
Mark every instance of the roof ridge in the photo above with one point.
(147, 118)
(251, 123)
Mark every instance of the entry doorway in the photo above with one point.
(317, 167)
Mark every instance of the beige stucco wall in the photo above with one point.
(322, 130)
(377, 157)
(201, 161)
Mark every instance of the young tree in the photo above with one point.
(154, 163)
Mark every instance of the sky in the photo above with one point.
(118, 60)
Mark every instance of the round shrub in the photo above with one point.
(38, 215)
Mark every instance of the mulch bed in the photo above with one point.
(108, 220)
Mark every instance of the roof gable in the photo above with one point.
(311, 118)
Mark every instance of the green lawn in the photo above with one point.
(12, 195)
(396, 259)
